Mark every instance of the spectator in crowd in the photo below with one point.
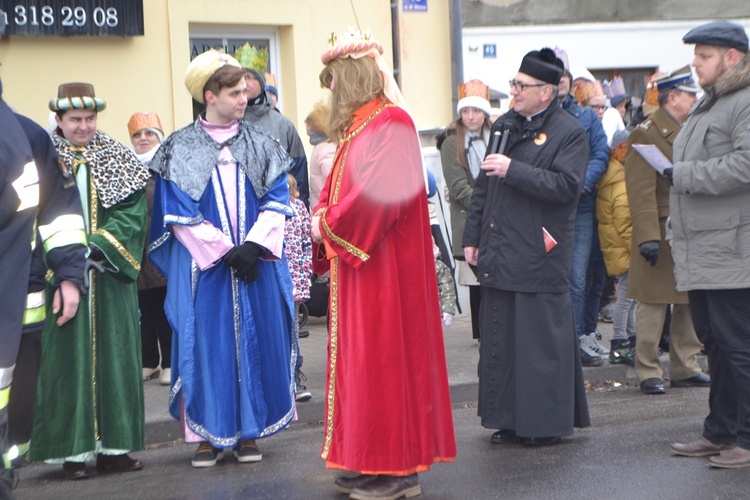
(323, 150)
(90, 400)
(146, 134)
(585, 227)
(707, 204)
(615, 228)
(262, 113)
(463, 146)
(519, 234)
(387, 374)
(651, 270)
(217, 234)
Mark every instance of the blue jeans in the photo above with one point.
(582, 236)
(596, 279)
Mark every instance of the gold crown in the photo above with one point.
(351, 42)
(252, 57)
(586, 90)
(473, 88)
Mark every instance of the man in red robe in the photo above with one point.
(388, 414)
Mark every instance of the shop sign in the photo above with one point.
(73, 17)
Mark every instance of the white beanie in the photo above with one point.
(474, 101)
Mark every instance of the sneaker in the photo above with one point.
(621, 353)
(166, 376)
(206, 455)
(590, 359)
(302, 393)
(607, 313)
(591, 341)
(247, 451)
(149, 373)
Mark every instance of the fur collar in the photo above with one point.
(734, 78)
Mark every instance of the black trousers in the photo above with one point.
(23, 390)
(156, 334)
(722, 323)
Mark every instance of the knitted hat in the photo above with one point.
(353, 43)
(540, 64)
(586, 90)
(474, 94)
(145, 121)
(202, 68)
(619, 145)
(76, 95)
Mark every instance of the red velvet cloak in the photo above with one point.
(388, 404)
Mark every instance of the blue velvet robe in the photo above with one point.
(234, 347)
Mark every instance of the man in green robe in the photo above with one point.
(90, 397)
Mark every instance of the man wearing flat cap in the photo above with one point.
(711, 235)
(519, 232)
(217, 233)
(90, 401)
(650, 277)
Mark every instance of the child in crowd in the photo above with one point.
(298, 249)
(615, 234)
(446, 287)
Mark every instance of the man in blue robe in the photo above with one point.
(220, 203)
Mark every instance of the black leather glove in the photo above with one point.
(91, 264)
(244, 260)
(95, 253)
(668, 174)
(650, 251)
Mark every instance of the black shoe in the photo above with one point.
(700, 380)
(346, 484)
(545, 441)
(589, 359)
(621, 353)
(653, 386)
(75, 470)
(117, 463)
(505, 436)
(304, 334)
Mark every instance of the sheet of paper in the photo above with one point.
(653, 156)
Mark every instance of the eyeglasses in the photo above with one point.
(520, 87)
(595, 107)
(144, 133)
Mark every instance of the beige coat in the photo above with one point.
(648, 198)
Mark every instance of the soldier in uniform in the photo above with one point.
(651, 277)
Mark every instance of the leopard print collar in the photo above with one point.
(116, 171)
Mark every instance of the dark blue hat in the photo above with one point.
(615, 100)
(720, 34)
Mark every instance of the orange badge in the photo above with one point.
(63, 167)
(541, 139)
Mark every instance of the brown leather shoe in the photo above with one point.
(117, 463)
(701, 447)
(388, 488)
(75, 470)
(346, 485)
(734, 458)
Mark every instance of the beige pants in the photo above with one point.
(683, 343)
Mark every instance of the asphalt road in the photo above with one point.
(624, 454)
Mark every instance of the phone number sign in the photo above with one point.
(73, 17)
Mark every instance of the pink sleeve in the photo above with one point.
(205, 243)
(268, 232)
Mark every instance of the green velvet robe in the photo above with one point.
(90, 386)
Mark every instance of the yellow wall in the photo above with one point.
(146, 73)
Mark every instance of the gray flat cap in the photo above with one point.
(720, 34)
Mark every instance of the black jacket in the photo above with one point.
(506, 217)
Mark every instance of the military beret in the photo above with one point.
(720, 34)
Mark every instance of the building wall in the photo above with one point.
(522, 12)
(146, 73)
(591, 46)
